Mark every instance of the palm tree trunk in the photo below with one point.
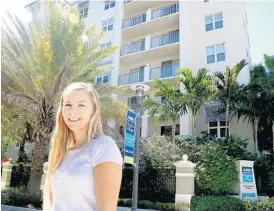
(254, 127)
(39, 150)
(227, 119)
(173, 134)
(193, 126)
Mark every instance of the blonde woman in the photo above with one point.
(85, 166)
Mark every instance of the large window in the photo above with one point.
(215, 53)
(167, 130)
(109, 4)
(83, 9)
(218, 129)
(105, 78)
(107, 25)
(214, 21)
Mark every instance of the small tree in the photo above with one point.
(170, 107)
(198, 90)
(227, 85)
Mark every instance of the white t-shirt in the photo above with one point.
(72, 183)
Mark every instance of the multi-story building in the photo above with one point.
(158, 37)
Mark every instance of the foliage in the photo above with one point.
(263, 205)
(155, 153)
(18, 196)
(198, 89)
(227, 86)
(216, 203)
(216, 172)
(144, 204)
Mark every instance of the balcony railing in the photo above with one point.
(164, 11)
(134, 20)
(133, 47)
(164, 71)
(169, 38)
(131, 78)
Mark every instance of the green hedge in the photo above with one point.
(216, 203)
(143, 204)
(263, 205)
(19, 197)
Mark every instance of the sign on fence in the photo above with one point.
(130, 138)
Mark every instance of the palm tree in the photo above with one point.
(170, 107)
(38, 61)
(227, 86)
(198, 90)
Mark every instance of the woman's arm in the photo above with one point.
(107, 181)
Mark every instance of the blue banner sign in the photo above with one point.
(130, 138)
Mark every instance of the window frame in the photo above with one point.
(214, 21)
(108, 4)
(218, 127)
(106, 24)
(215, 53)
(83, 14)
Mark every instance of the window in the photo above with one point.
(105, 78)
(109, 4)
(218, 129)
(84, 13)
(107, 25)
(167, 130)
(215, 53)
(214, 21)
(105, 45)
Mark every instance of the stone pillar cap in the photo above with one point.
(184, 162)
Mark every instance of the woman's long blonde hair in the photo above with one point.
(63, 137)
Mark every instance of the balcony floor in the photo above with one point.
(151, 54)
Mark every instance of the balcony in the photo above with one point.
(132, 7)
(151, 48)
(151, 22)
(164, 11)
(166, 39)
(165, 71)
(134, 21)
(131, 78)
(133, 47)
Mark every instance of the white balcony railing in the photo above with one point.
(169, 38)
(134, 20)
(164, 11)
(164, 71)
(133, 47)
(131, 78)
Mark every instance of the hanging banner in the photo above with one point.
(130, 138)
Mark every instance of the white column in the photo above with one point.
(145, 124)
(185, 177)
(147, 42)
(146, 73)
(148, 15)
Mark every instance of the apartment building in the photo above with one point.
(158, 37)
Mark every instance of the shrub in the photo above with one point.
(19, 197)
(216, 172)
(216, 203)
(263, 205)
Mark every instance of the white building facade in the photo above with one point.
(158, 37)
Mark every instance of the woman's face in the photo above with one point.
(77, 110)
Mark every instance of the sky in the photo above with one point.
(260, 15)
